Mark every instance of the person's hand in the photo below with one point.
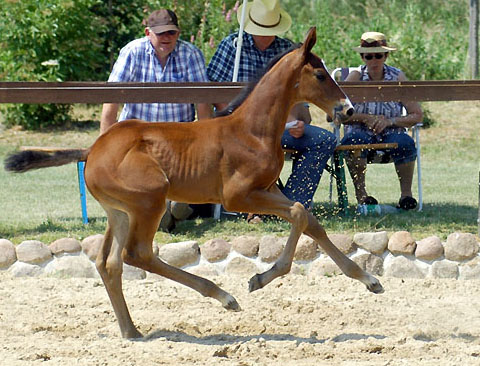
(297, 130)
(379, 123)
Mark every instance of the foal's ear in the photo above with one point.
(310, 40)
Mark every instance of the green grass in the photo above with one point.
(44, 204)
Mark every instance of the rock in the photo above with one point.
(270, 248)
(204, 270)
(155, 249)
(133, 273)
(461, 246)
(8, 255)
(180, 254)
(22, 269)
(71, 266)
(33, 252)
(470, 270)
(343, 242)
(91, 245)
(241, 266)
(215, 250)
(429, 249)
(323, 267)
(375, 243)
(306, 249)
(180, 211)
(371, 263)
(246, 245)
(444, 269)
(167, 223)
(401, 242)
(65, 245)
(402, 267)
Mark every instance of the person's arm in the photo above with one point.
(220, 68)
(197, 72)
(204, 110)
(109, 116)
(414, 115)
(301, 114)
(378, 123)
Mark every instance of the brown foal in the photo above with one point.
(233, 160)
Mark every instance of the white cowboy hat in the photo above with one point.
(265, 18)
(373, 42)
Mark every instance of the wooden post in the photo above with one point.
(473, 41)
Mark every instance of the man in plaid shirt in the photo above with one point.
(265, 20)
(158, 57)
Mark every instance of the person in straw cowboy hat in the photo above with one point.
(381, 122)
(265, 20)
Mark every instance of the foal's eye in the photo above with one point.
(320, 76)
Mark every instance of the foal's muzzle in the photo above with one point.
(343, 111)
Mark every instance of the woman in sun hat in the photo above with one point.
(381, 122)
(265, 20)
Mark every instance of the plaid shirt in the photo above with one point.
(252, 60)
(137, 62)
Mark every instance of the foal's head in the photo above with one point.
(315, 84)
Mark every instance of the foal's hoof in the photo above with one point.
(133, 335)
(375, 287)
(254, 283)
(232, 304)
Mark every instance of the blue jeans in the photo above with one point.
(404, 153)
(314, 149)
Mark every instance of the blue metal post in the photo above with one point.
(83, 193)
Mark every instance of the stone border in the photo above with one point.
(396, 256)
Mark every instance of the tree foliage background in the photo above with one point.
(66, 40)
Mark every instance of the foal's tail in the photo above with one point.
(29, 159)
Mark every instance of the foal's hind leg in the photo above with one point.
(110, 267)
(138, 252)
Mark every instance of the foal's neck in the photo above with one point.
(267, 107)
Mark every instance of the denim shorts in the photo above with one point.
(404, 153)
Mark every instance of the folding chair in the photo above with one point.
(378, 150)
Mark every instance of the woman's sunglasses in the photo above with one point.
(378, 56)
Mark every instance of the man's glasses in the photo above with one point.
(378, 56)
(170, 33)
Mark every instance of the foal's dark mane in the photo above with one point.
(240, 98)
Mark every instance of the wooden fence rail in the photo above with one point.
(103, 92)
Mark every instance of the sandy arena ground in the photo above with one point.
(293, 321)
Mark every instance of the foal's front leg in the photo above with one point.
(273, 202)
(348, 267)
(284, 263)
